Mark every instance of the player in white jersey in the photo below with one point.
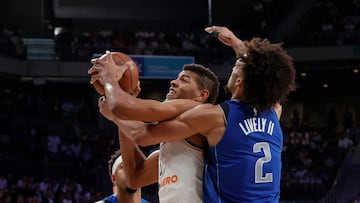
(194, 82)
(180, 172)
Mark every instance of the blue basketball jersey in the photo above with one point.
(245, 166)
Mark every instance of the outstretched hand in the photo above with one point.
(228, 38)
(225, 35)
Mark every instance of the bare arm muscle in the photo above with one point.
(199, 120)
(149, 110)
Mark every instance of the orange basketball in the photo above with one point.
(130, 78)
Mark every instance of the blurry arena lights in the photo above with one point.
(57, 30)
(325, 85)
(356, 70)
(303, 74)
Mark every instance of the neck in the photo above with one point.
(238, 97)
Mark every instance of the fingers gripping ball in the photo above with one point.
(129, 80)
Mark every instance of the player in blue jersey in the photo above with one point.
(121, 193)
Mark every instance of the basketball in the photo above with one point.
(130, 78)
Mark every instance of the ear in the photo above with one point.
(204, 94)
(113, 179)
(239, 80)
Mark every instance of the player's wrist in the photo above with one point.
(240, 49)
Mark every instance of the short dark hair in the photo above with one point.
(206, 80)
(112, 159)
(269, 73)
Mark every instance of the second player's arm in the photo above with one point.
(204, 119)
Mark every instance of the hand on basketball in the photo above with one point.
(104, 69)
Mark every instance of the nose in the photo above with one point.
(173, 83)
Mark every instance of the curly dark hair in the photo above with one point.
(206, 80)
(112, 159)
(269, 74)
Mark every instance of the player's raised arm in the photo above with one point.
(228, 38)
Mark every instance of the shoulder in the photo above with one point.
(180, 101)
(206, 107)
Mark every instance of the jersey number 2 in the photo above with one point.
(259, 178)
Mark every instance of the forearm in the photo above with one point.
(136, 165)
(118, 100)
(133, 159)
(228, 38)
(127, 107)
(239, 48)
(123, 105)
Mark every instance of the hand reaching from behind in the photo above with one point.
(228, 38)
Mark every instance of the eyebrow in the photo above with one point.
(184, 76)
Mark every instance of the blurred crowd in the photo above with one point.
(326, 23)
(12, 43)
(49, 190)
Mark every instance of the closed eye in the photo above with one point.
(185, 79)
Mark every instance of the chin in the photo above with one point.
(172, 96)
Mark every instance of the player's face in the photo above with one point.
(184, 87)
(235, 74)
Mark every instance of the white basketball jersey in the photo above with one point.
(181, 168)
